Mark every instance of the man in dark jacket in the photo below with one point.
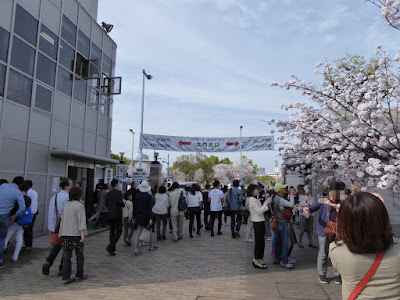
(114, 204)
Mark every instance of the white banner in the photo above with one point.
(207, 144)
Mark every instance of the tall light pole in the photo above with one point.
(241, 158)
(133, 152)
(167, 168)
(149, 77)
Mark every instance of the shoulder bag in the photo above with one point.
(55, 239)
(330, 229)
(367, 276)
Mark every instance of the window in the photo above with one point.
(19, 88)
(22, 56)
(68, 31)
(25, 26)
(43, 98)
(82, 66)
(64, 81)
(4, 37)
(104, 102)
(67, 56)
(2, 78)
(83, 44)
(45, 70)
(80, 90)
(96, 54)
(48, 42)
(107, 65)
(94, 75)
(93, 99)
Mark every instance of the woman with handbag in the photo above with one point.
(306, 220)
(142, 216)
(194, 202)
(366, 254)
(326, 228)
(257, 211)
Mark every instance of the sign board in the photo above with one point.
(119, 171)
(207, 144)
(56, 184)
(138, 177)
(108, 175)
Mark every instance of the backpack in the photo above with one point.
(182, 205)
(26, 218)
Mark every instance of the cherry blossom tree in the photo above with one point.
(198, 176)
(178, 176)
(226, 173)
(390, 11)
(350, 124)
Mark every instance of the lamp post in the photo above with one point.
(149, 77)
(133, 152)
(241, 158)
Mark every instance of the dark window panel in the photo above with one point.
(64, 81)
(22, 56)
(19, 88)
(2, 78)
(96, 54)
(43, 98)
(104, 104)
(48, 42)
(4, 38)
(68, 31)
(94, 73)
(67, 56)
(93, 99)
(80, 90)
(26, 26)
(83, 44)
(46, 70)
(82, 66)
(107, 65)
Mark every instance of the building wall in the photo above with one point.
(44, 102)
(91, 6)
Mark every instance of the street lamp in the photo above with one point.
(133, 152)
(122, 157)
(241, 158)
(149, 77)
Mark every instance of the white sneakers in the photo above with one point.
(287, 266)
(250, 240)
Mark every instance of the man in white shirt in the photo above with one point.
(28, 230)
(216, 198)
(56, 206)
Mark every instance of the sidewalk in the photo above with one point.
(202, 268)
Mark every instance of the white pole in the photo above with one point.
(141, 128)
(133, 153)
(241, 157)
(168, 170)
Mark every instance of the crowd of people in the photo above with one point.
(353, 227)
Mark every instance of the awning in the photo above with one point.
(83, 157)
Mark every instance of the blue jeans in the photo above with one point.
(53, 254)
(66, 263)
(236, 218)
(273, 243)
(282, 242)
(4, 224)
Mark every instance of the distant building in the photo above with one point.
(261, 172)
(55, 104)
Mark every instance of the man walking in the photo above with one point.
(9, 195)
(28, 230)
(234, 198)
(56, 206)
(176, 214)
(114, 204)
(206, 205)
(216, 198)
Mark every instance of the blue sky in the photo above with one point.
(213, 61)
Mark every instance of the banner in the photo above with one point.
(207, 144)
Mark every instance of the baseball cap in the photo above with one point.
(280, 186)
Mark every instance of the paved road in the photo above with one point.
(201, 268)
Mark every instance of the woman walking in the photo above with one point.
(160, 209)
(72, 233)
(142, 215)
(365, 244)
(257, 211)
(306, 220)
(127, 212)
(194, 202)
(101, 207)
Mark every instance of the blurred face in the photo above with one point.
(337, 195)
(255, 192)
(283, 192)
